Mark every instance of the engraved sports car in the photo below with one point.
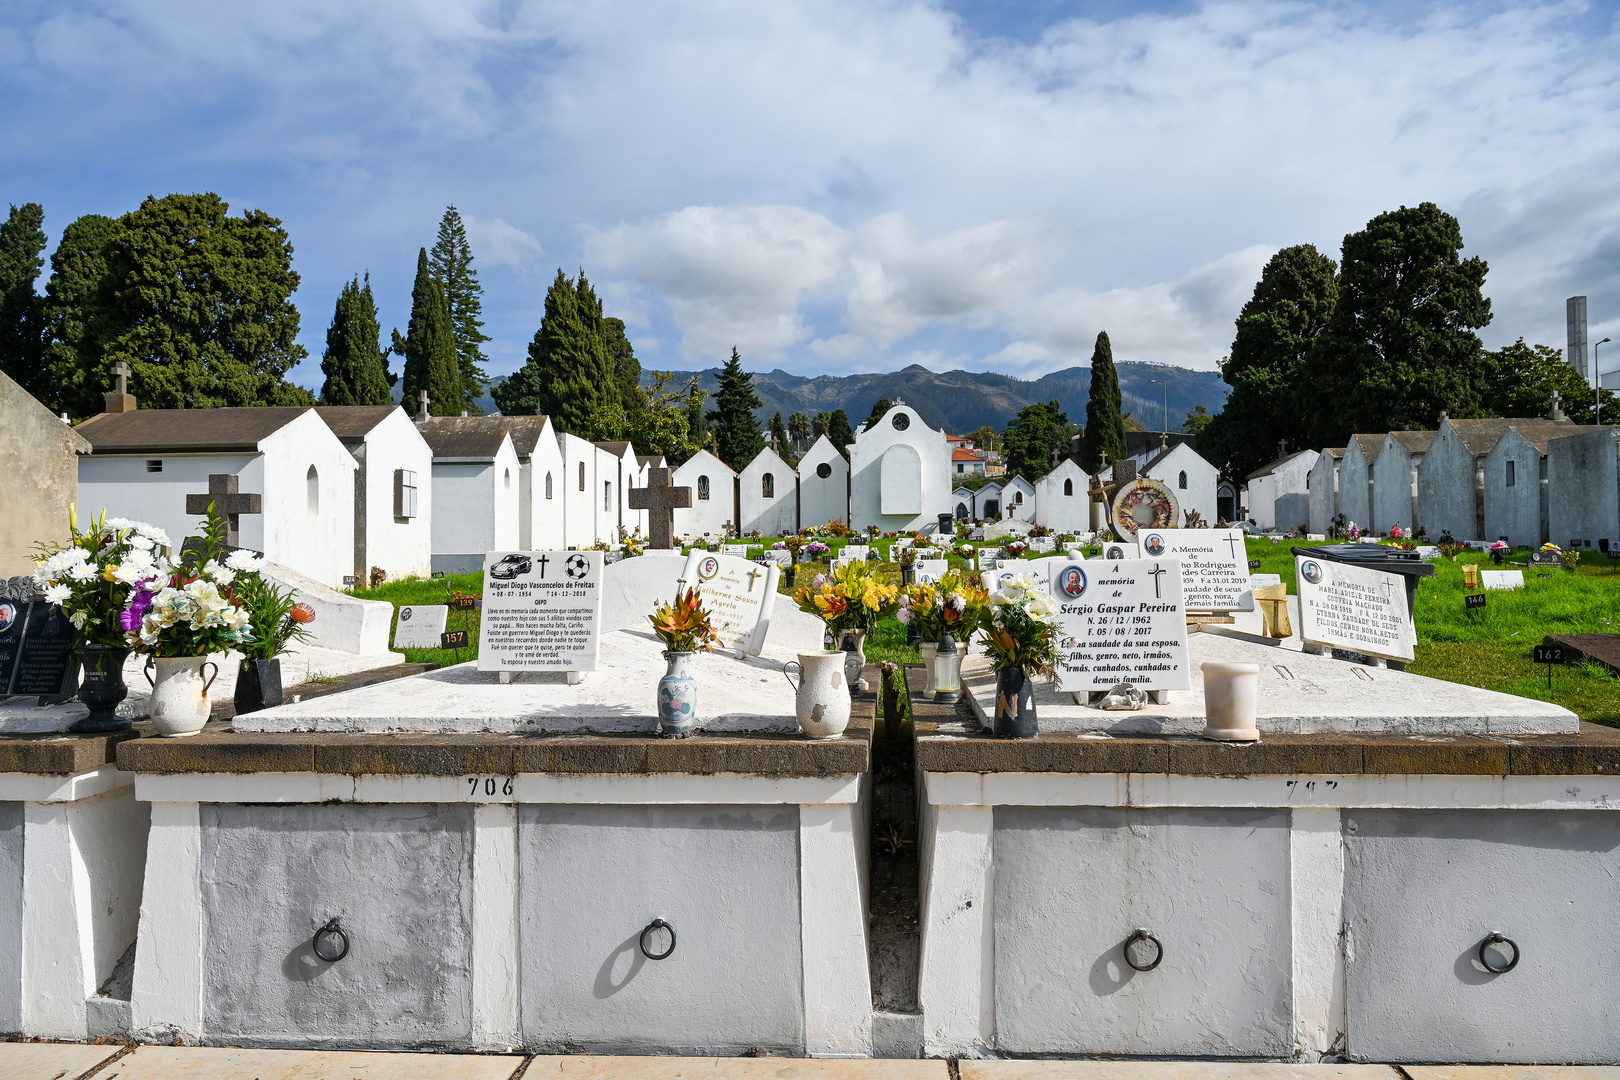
(510, 567)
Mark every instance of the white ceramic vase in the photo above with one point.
(1231, 693)
(821, 696)
(179, 704)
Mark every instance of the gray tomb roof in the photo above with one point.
(352, 423)
(186, 430)
(476, 437)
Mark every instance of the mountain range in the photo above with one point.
(962, 401)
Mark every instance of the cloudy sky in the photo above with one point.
(837, 187)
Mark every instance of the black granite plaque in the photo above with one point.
(36, 642)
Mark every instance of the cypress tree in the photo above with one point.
(22, 257)
(74, 334)
(451, 260)
(430, 348)
(779, 434)
(626, 368)
(737, 433)
(1105, 426)
(697, 421)
(569, 374)
(839, 433)
(355, 365)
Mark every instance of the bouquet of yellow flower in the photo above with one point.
(955, 604)
(850, 597)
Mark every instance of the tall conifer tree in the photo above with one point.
(355, 365)
(74, 332)
(569, 374)
(451, 259)
(1105, 426)
(737, 431)
(431, 363)
(22, 256)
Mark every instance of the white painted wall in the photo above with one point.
(874, 474)
(823, 498)
(401, 546)
(1061, 500)
(313, 536)
(579, 494)
(121, 485)
(541, 514)
(771, 515)
(1192, 479)
(707, 517)
(476, 507)
(1285, 480)
(1018, 499)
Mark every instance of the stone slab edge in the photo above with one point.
(59, 754)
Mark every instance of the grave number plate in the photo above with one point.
(466, 603)
(1548, 654)
(457, 639)
(1475, 601)
(489, 787)
(1254, 564)
(350, 581)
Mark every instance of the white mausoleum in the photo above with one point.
(393, 488)
(900, 473)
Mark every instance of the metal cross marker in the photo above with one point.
(121, 373)
(227, 500)
(660, 499)
(751, 575)
(1155, 573)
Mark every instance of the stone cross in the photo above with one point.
(660, 499)
(227, 500)
(122, 373)
(422, 413)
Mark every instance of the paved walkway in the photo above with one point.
(67, 1061)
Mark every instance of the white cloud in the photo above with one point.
(494, 241)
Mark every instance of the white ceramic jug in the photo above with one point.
(179, 704)
(822, 703)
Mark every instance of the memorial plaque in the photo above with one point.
(1502, 579)
(738, 595)
(1316, 536)
(1004, 569)
(929, 571)
(1354, 607)
(989, 557)
(36, 643)
(852, 553)
(1120, 621)
(542, 611)
(977, 534)
(739, 551)
(420, 625)
(778, 556)
(1117, 551)
(1214, 572)
(1043, 545)
(1545, 558)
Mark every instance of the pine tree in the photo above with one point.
(431, 363)
(737, 433)
(451, 260)
(355, 365)
(626, 368)
(569, 374)
(74, 334)
(1105, 426)
(839, 433)
(779, 434)
(22, 257)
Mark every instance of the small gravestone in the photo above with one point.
(542, 611)
(420, 625)
(977, 534)
(737, 594)
(1316, 536)
(1355, 608)
(738, 551)
(1549, 559)
(1119, 621)
(929, 571)
(779, 556)
(1043, 545)
(1214, 571)
(36, 642)
(989, 557)
(1118, 550)
(852, 553)
(1502, 579)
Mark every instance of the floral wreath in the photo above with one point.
(1143, 491)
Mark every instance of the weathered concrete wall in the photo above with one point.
(1355, 487)
(11, 913)
(1073, 883)
(1423, 888)
(1394, 484)
(399, 876)
(1448, 496)
(1514, 510)
(725, 877)
(38, 458)
(1324, 488)
(1583, 488)
(1291, 511)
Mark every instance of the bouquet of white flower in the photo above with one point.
(1020, 627)
(97, 576)
(196, 611)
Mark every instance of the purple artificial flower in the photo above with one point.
(140, 602)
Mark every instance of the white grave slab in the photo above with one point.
(420, 625)
(929, 571)
(1502, 579)
(1428, 551)
(1118, 550)
(1120, 621)
(988, 558)
(1353, 607)
(738, 594)
(542, 611)
(778, 556)
(1214, 565)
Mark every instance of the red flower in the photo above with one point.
(301, 613)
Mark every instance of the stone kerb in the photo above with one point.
(342, 622)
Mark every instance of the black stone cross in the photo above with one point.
(227, 500)
(660, 499)
(1155, 573)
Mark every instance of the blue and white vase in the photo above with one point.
(677, 698)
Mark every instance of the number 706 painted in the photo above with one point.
(489, 787)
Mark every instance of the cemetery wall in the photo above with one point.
(401, 546)
(540, 507)
(822, 498)
(1516, 509)
(123, 487)
(1448, 488)
(1063, 509)
(37, 452)
(11, 921)
(1290, 511)
(1583, 488)
(900, 474)
(774, 514)
(1324, 493)
(1355, 485)
(1395, 488)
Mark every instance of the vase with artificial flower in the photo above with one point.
(850, 599)
(684, 626)
(1020, 638)
(278, 620)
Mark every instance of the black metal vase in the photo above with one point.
(102, 687)
(1015, 705)
(258, 685)
(790, 572)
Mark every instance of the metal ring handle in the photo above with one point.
(1143, 935)
(657, 924)
(1498, 939)
(330, 929)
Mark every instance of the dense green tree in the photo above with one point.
(818, 426)
(1038, 437)
(451, 259)
(1523, 378)
(1105, 426)
(736, 429)
(779, 434)
(569, 375)
(22, 310)
(799, 427)
(199, 305)
(1196, 421)
(1400, 346)
(431, 363)
(75, 322)
(659, 423)
(986, 438)
(839, 433)
(697, 418)
(879, 408)
(626, 368)
(1290, 308)
(355, 364)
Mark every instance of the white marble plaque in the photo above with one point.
(1004, 569)
(1120, 621)
(1042, 544)
(929, 571)
(542, 611)
(1316, 536)
(1214, 565)
(853, 553)
(989, 557)
(779, 556)
(1355, 608)
(1502, 579)
(419, 626)
(1117, 550)
(738, 550)
(738, 595)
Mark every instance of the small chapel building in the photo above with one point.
(1395, 483)
(1185, 472)
(823, 485)
(900, 473)
(768, 496)
(1062, 498)
(714, 507)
